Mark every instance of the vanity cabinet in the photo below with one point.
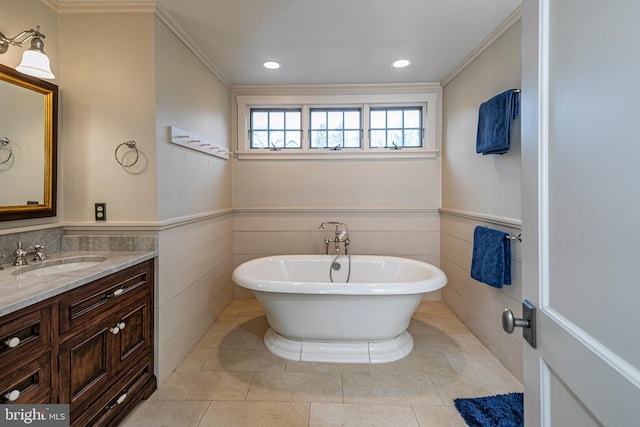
(100, 339)
(25, 356)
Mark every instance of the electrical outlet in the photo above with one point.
(101, 211)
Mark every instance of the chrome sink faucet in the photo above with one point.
(340, 236)
(38, 255)
(20, 255)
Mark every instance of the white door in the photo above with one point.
(581, 210)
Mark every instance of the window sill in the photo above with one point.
(337, 155)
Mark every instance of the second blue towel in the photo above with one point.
(494, 122)
(491, 260)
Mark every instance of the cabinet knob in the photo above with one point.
(115, 293)
(12, 342)
(117, 328)
(12, 396)
(120, 399)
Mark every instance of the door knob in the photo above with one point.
(527, 323)
(509, 321)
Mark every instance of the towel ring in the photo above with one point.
(132, 146)
(4, 143)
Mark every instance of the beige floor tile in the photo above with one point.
(423, 327)
(256, 414)
(450, 388)
(244, 307)
(296, 387)
(448, 325)
(195, 359)
(238, 337)
(230, 378)
(227, 323)
(205, 385)
(391, 389)
(416, 363)
(435, 343)
(327, 368)
(483, 367)
(359, 415)
(470, 344)
(238, 359)
(155, 413)
(433, 310)
(435, 416)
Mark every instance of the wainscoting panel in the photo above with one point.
(195, 266)
(478, 305)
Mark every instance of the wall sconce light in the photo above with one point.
(34, 61)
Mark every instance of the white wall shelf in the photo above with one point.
(194, 142)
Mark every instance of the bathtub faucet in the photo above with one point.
(340, 236)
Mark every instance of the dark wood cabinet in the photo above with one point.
(30, 383)
(26, 344)
(91, 347)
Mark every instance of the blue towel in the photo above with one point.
(494, 122)
(491, 261)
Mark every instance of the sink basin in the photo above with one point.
(57, 266)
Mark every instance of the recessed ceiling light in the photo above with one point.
(271, 65)
(401, 63)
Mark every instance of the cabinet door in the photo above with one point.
(134, 337)
(85, 364)
(118, 398)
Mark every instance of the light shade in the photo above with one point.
(35, 64)
(271, 65)
(401, 63)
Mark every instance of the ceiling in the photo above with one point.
(335, 41)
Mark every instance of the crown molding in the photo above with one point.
(66, 7)
(63, 7)
(51, 4)
(342, 89)
(165, 16)
(509, 22)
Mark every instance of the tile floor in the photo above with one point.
(231, 379)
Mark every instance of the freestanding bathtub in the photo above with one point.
(362, 321)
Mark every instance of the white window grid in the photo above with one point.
(428, 102)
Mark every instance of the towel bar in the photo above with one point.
(518, 237)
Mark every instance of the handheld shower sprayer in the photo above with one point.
(340, 236)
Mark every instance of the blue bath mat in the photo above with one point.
(503, 410)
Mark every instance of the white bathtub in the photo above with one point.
(363, 321)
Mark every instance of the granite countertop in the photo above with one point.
(17, 291)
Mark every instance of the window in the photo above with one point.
(338, 125)
(275, 128)
(395, 127)
(335, 128)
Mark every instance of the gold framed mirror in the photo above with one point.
(28, 146)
